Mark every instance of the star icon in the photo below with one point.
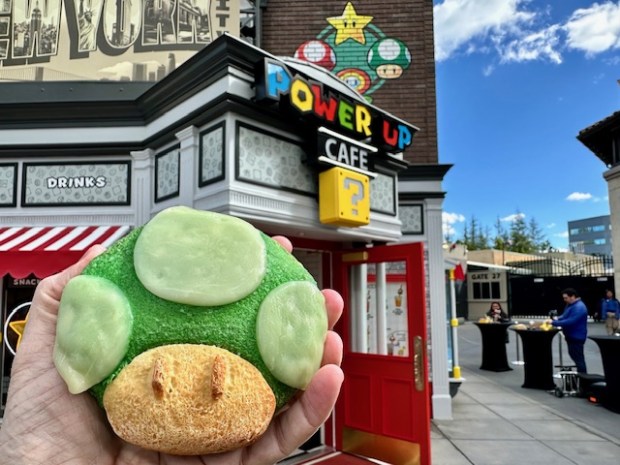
(18, 327)
(350, 25)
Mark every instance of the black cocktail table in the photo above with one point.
(537, 357)
(610, 353)
(494, 346)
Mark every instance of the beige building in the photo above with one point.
(603, 139)
(488, 273)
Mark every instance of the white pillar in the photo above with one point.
(143, 162)
(442, 402)
(612, 177)
(188, 177)
(360, 275)
(381, 309)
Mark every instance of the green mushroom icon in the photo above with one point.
(389, 58)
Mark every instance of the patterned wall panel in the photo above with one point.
(270, 160)
(212, 155)
(8, 185)
(167, 174)
(383, 194)
(412, 219)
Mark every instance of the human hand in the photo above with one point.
(45, 424)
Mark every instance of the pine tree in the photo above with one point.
(475, 237)
(501, 241)
(519, 235)
(537, 237)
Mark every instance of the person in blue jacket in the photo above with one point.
(574, 323)
(610, 312)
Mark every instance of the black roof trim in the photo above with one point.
(418, 172)
(68, 150)
(404, 197)
(391, 163)
(599, 137)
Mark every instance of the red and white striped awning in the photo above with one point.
(43, 251)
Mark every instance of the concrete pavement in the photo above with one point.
(497, 422)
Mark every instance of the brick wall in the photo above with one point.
(287, 25)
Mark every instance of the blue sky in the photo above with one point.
(516, 82)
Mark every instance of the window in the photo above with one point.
(495, 290)
(486, 290)
(589, 229)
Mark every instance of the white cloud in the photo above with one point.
(579, 197)
(512, 218)
(459, 23)
(563, 234)
(448, 222)
(551, 225)
(595, 29)
(612, 61)
(543, 44)
(520, 31)
(488, 70)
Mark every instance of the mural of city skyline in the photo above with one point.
(34, 35)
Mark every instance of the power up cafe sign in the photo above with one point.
(342, 124)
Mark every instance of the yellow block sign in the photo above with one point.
(344, 197)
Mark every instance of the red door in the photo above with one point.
(384, 408)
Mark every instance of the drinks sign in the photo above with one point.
(107, 39)
(94, 183)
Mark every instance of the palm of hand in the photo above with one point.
(74, 427)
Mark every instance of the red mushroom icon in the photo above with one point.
(318, 53)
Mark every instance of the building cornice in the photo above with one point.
(418, 172)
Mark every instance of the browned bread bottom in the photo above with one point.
(189, 399)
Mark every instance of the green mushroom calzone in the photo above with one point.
(191, 277)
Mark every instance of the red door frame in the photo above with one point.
(383, 379)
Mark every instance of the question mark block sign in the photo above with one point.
(344, 197)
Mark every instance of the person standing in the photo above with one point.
(610, 312)
(574, 323)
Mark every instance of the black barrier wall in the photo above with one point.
(536, 296)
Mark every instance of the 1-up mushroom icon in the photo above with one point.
(389, 58)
